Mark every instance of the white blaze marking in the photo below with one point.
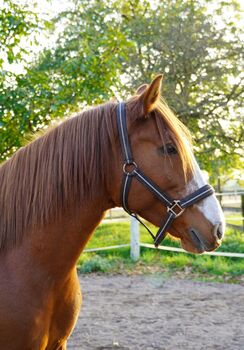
(209, 206)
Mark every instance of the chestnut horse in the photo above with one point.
(55, 191)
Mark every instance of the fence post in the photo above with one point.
(134, 239)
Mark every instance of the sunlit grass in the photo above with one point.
(110, 234)
(234, 219)
(202, 267)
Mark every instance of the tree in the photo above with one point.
(201, 54)
(82, 68)
(16, 24)
(198, 50)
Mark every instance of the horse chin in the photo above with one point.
(192, 247)
(190, 241)
(194, 243)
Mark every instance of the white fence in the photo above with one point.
(232, 204)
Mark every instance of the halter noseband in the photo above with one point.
(175, 207)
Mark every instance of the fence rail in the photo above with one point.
(180, 250)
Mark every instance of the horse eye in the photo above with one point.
(169, 148)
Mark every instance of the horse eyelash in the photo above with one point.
(166, 149)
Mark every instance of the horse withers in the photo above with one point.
(55, 191)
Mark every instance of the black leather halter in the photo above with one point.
(175, 207)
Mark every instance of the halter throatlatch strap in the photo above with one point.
(174, 207)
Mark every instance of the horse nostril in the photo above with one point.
(219, 231)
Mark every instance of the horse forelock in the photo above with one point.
(180, 136)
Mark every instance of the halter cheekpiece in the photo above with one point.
(175, 207)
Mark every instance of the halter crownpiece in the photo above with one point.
(175, 207)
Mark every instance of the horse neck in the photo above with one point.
(55, 248)
(56, 239)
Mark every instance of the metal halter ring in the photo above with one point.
(129, 164)
(176, 206)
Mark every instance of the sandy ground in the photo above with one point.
(151, 312)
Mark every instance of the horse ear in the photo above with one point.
(141, 89)
(152, 94)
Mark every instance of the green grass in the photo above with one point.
(110, 234)
(94, 264)
(203, 267)
(237, 219)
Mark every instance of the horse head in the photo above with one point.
(157, 152)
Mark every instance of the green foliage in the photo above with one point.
(203, 67)
(17, 24)
(81, 69)
(195, 44)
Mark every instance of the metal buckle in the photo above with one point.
(132, 167)
(176, 206)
